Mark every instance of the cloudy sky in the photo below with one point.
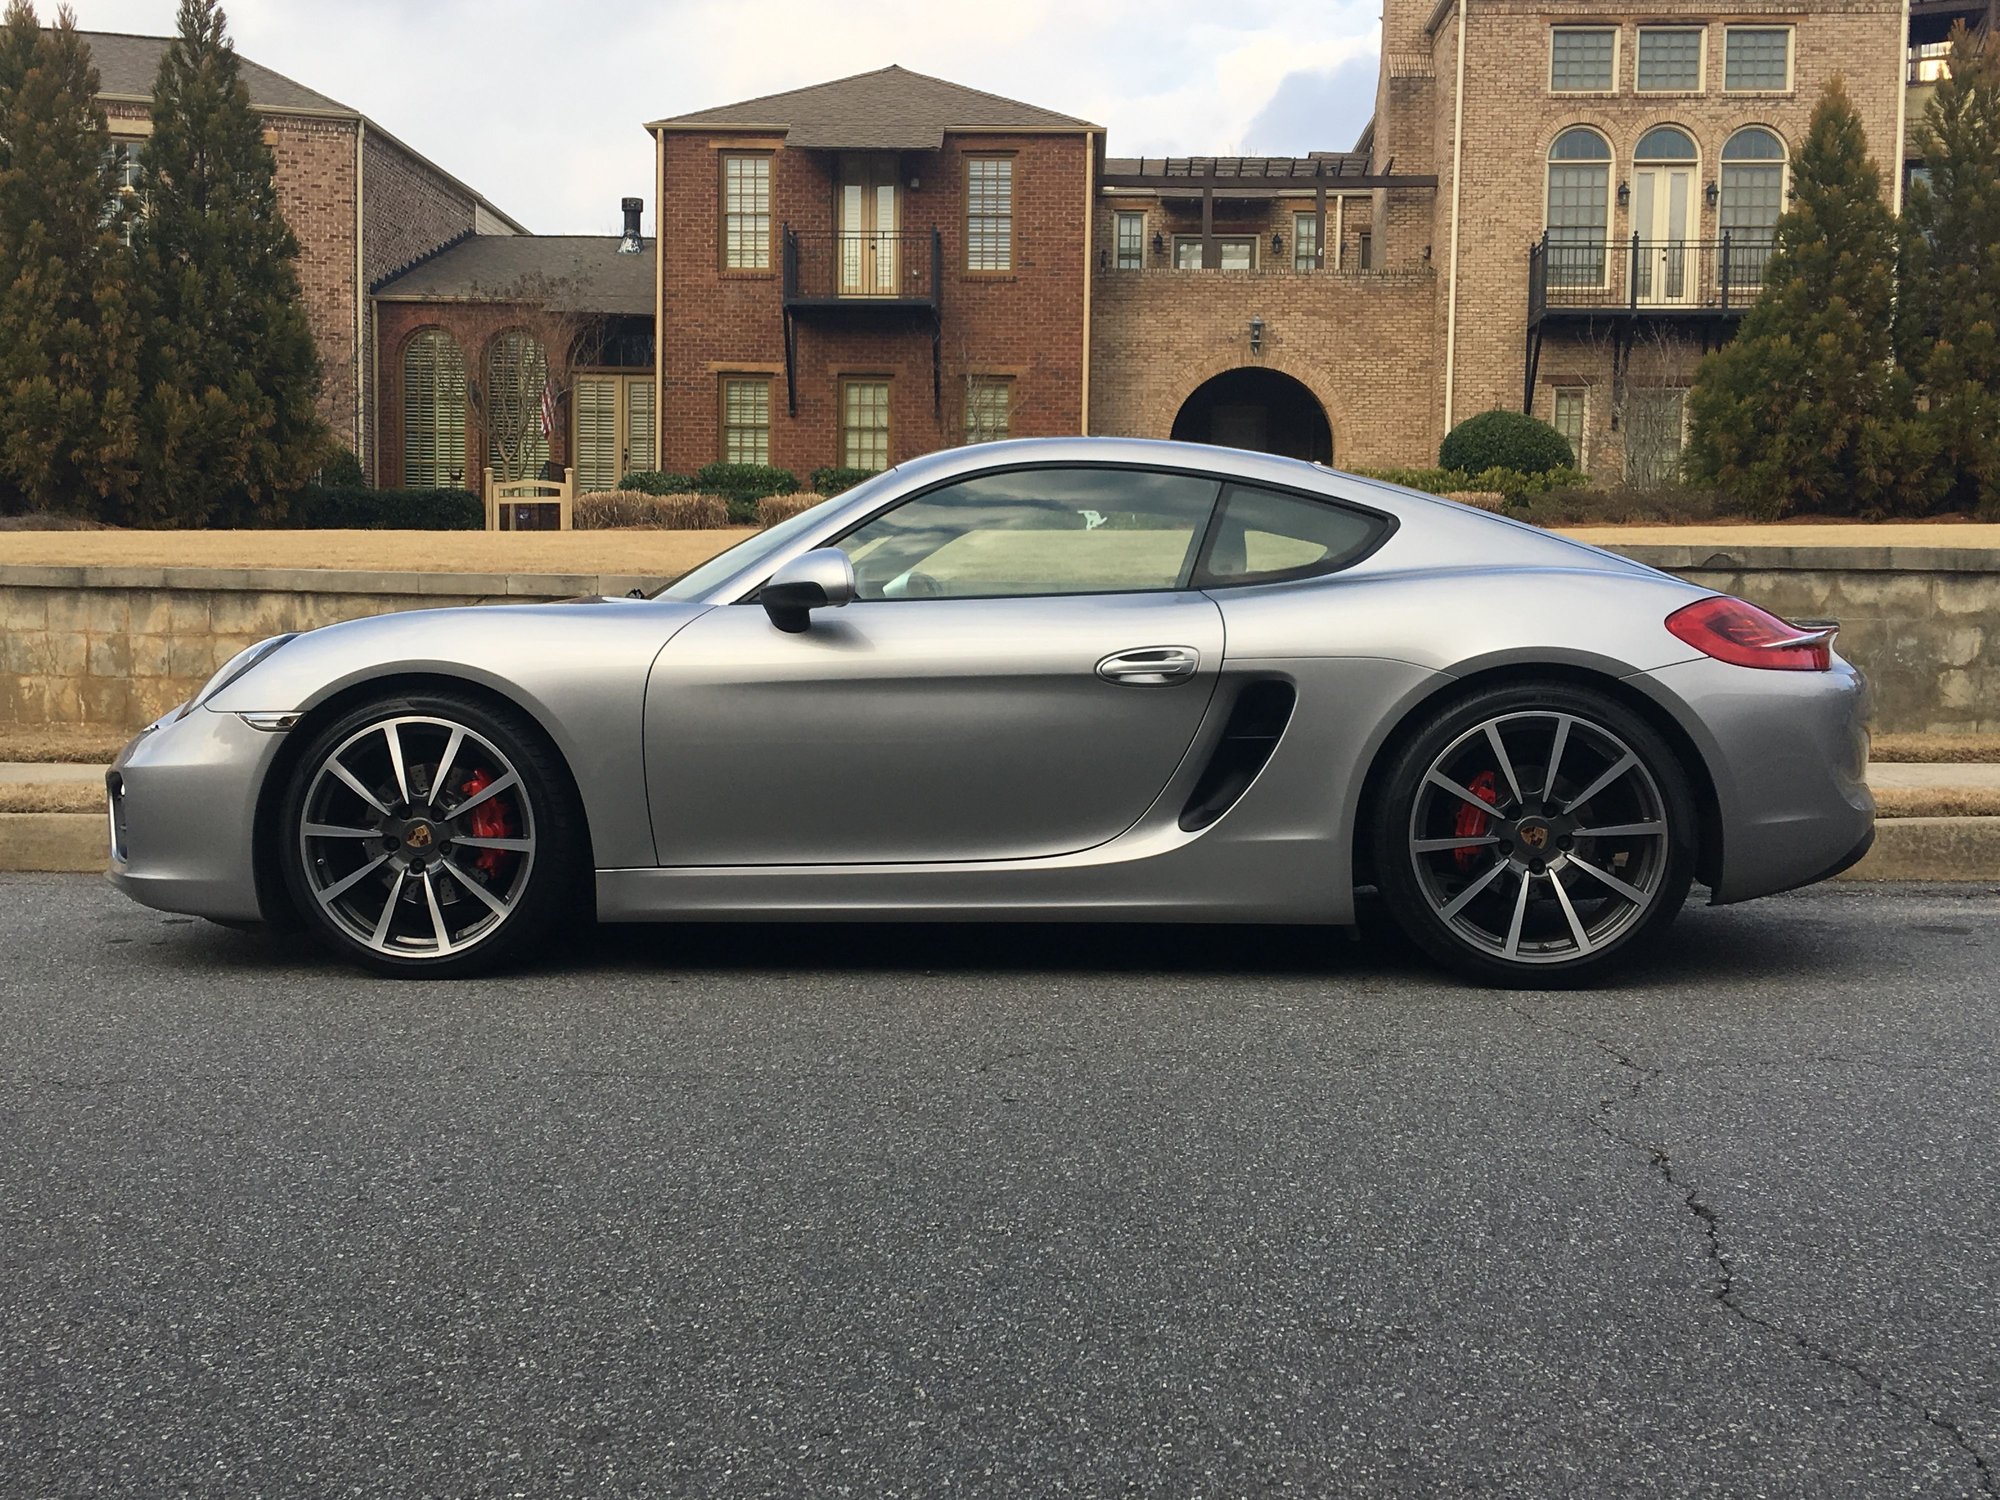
(539, 105)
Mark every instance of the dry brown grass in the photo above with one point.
(61, 797)
(1936, 749)
(46, 744)
(1938, 802)
(662, 554)
(615, 508)
(775, 508)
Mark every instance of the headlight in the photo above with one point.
(234, 668)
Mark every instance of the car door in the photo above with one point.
(1023, 668)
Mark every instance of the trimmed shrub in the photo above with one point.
(656, 482)
(775, 508)
(1515, 486)
(743, 485)
(832, 480)
(1502, 439)
(320, 509)
(612, 509)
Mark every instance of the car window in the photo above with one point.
(1035, 532)
(1264, 535)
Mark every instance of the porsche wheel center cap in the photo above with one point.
(419, 837)
(1534, 835)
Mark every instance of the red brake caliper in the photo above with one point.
(1469, 822)
(490, 820)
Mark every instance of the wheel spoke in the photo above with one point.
(1630, 892)
(444, 764)
(1520, 912)
(1465, 897)
(396, 760)
(1417, 846)
(1506, 764)
(342, 886)
(512, 846)
(1622, 831)
(1439, 779)
(354, 785)
(491, 789)
(466, 882)
(1569, 911)
(437, 914)
(388, 917)
(1626, 762)
(1563, 721)
(330, 831)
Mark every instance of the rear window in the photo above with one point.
(1266, 536)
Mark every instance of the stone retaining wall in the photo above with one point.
(119, 646)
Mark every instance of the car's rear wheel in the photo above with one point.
(431, 835)
(1534, 835)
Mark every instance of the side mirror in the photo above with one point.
(822, 579)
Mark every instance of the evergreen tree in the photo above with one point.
(68, 335)
(1948, 318)
(229, 373)
(1805, 410)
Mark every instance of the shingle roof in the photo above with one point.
(890, 109)
(128, 65)
(585, 271)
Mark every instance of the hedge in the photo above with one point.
(1511, 483)
(832, 480)
(624, 508)
(387, 510)
(1502, 439)
(656, 482)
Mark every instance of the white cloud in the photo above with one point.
(539, 105)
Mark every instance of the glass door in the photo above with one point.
(869, 214)
(1663, 217)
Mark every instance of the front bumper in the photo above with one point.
(1788, 752)
(183, 801)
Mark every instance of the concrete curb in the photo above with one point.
(1905, 848)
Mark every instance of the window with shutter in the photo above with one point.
(517, 375)
(433, 412)
(597, 442)
(642, 430)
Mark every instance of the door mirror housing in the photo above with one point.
(821, 579)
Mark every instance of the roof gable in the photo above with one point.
(127, 65)
(890, 109)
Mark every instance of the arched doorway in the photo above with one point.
(1260, 409)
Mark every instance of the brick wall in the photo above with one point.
(1362, 342)
(1027, 324)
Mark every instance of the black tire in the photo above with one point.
(1534, 895)
(540, 878)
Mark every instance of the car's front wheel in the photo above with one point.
(1533, 835)
(431, 834)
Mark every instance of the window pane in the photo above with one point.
(517, 420)
(1580, 58)
(1568, 418)
(1579, 202)
(746, 421)
(1187, 254)
(864, 424)
(1305, 242)
(989, 213)
(1131, 241)
(746, 213)
(1262, 536)
(1237, 254)
(1669, 59)
(988, 408)
(1756, 58)
(1041, 531)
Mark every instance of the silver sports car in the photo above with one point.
(1070, 679)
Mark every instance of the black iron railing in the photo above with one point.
(1637, 276)
(893, 268)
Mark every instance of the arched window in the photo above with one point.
(517, 387)
(1664, 143)
(1753, 195)
(433, 412)
(1579, 215)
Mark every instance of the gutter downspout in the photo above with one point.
(1902, 111)
(659, 298)
(361, 341)
(1090, 149)
(1457, 183)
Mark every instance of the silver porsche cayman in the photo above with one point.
(1069, 679)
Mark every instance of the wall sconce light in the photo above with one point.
(1711, 192)
(1277, 243)
(1624, 194)
(1159, 243)
(1256, 335)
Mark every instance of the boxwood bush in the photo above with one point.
(327, 509)
(833, 479)
(1511, 483)
(656, 482)
(742, 486)
(1502, 439)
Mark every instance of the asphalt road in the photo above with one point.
(936, 1212)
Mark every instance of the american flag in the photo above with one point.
(548, 410)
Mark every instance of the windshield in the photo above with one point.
(750, 551)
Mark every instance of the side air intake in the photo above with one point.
(1259, 717)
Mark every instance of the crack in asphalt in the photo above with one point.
(1724, 1290)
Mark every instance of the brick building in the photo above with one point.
(361, 203)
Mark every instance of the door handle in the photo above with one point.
(1151, 666)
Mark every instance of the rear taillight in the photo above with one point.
(1745, 636)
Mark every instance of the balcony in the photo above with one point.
(1622, 286)
(880, 270)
